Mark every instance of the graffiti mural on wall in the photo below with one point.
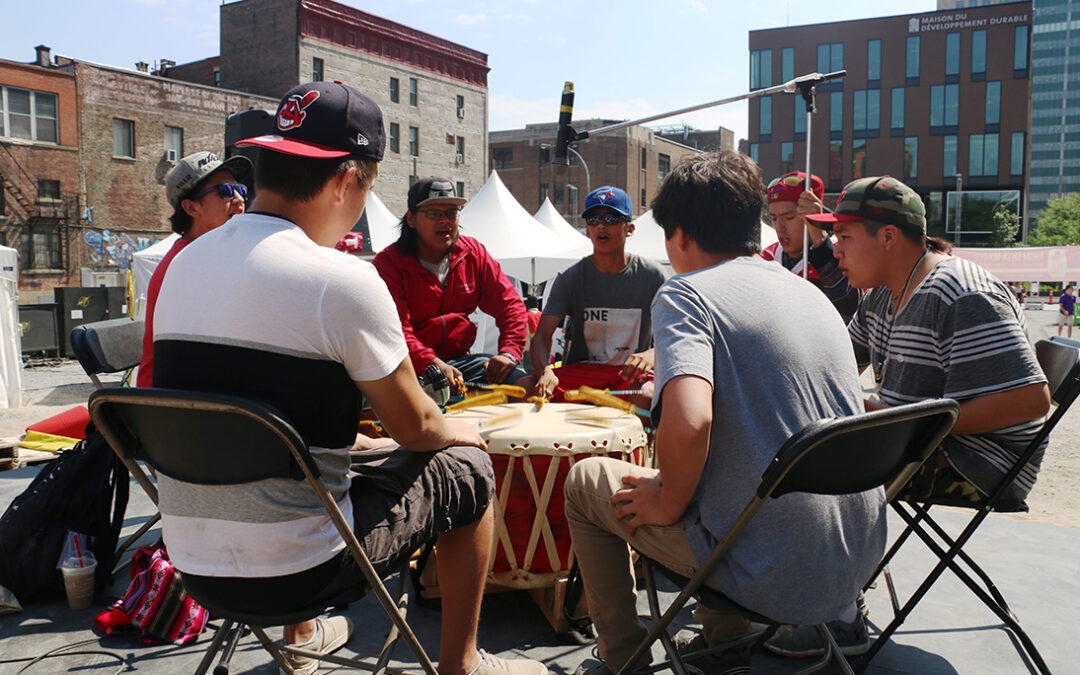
(113, 249)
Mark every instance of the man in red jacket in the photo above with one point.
(438, 277)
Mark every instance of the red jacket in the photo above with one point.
(435, 320)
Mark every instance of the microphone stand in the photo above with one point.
(808, 89)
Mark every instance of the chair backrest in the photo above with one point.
(857, 453)
(1059, 359)
(111, 346)
(200, 438)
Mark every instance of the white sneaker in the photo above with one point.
(493, 665)
(331, 633)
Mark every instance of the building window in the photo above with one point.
(873, 60)
(545, 157)
(765, 116)
(760, 68)
(461, 107)
(395, 137)
(982, 154)
(572, 197)
(897, 121)
(123, 132)
(952, 54)
(858, 159)
(459, 146)
(26, 114)
(787, 157)
(993, 103)
(1016, 154)
(414, 141)
(836, 161)
(944, 105)
(787, 64)
(557, 197)
(753, 153)
(836, 111)
(316, 69)
(978, 54)
(461, 189)
(543, 194)
(217, 77)
(911, 157)
(174, 143)
(799, 115)
(48, 190)
(641, 202)
(394, 90)
(41, 248)
(413, 91)
(644, 159)
(663, 165)
(503, 158)
(866, 104)
(1020, 48)
(948, 157)
(830, 57)
(912, 67)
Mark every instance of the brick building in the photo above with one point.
(927, 97)
(635, 159)
(433, 92)
(702, 139)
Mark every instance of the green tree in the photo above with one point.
(1003, 227)
(1059, 223)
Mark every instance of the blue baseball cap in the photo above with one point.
(612, 197)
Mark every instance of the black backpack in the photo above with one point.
(84, 490)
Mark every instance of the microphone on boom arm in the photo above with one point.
(566, 132)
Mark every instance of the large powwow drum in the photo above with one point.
(532, 452)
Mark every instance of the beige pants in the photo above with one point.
(600, 544)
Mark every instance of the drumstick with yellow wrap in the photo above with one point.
(600, 397)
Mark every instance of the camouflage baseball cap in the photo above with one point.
(879, 198)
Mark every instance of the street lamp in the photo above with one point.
(588, 180)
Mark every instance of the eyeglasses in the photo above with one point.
(789, 179)
(226, 190)
(437, 214)
(605, 218)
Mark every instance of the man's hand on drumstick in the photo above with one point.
(453, 375)
(642, 500)
(545, 386)
(497, 368)
(637, 365)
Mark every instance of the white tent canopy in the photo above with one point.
(526, 249)
(10, 330)
(382, 223)
(548, 216)
(1036, 263)
(143, 264)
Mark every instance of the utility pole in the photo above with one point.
(959, 207)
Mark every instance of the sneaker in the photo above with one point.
(852, 638)
(493, 665)
(330, 634)
(722, 663)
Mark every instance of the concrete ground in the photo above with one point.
(1035, 558)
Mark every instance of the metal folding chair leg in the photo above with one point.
(215, 645)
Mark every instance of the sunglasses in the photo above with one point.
(786, 180)
(225, 191)
(436, 214)
(605, 218)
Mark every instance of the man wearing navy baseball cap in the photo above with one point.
(606, 296)
(312, 331)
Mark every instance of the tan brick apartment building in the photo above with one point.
(635, 159)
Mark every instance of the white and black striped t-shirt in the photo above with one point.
(257, 309)
(962, 335)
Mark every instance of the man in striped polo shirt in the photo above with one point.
(935, 326)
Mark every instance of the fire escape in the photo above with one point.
(27, 213)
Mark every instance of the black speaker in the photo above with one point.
(76, 307)
(39, 332)
(247, 124)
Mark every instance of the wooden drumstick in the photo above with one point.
(538, 401)
(494, 398)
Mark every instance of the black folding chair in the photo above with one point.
(111, 346)
(224, 440)
(829, 457)
(1060, 361)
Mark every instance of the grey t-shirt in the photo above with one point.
(961, 335)
(609, 313)
(804, 558)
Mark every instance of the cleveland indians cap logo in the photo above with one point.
(292, 113)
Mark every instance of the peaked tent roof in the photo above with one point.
(381, 222)
(526, 249)
(549, 217)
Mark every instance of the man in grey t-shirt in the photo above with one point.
(732, 386)
(606, 298)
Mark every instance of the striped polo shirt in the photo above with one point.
(962, 335)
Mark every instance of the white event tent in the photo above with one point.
(523, 247)
(548, 216)
(10, 330)
(648, 238)
(143, 264)
(382, 223)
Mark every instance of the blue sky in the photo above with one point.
(627, 59)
